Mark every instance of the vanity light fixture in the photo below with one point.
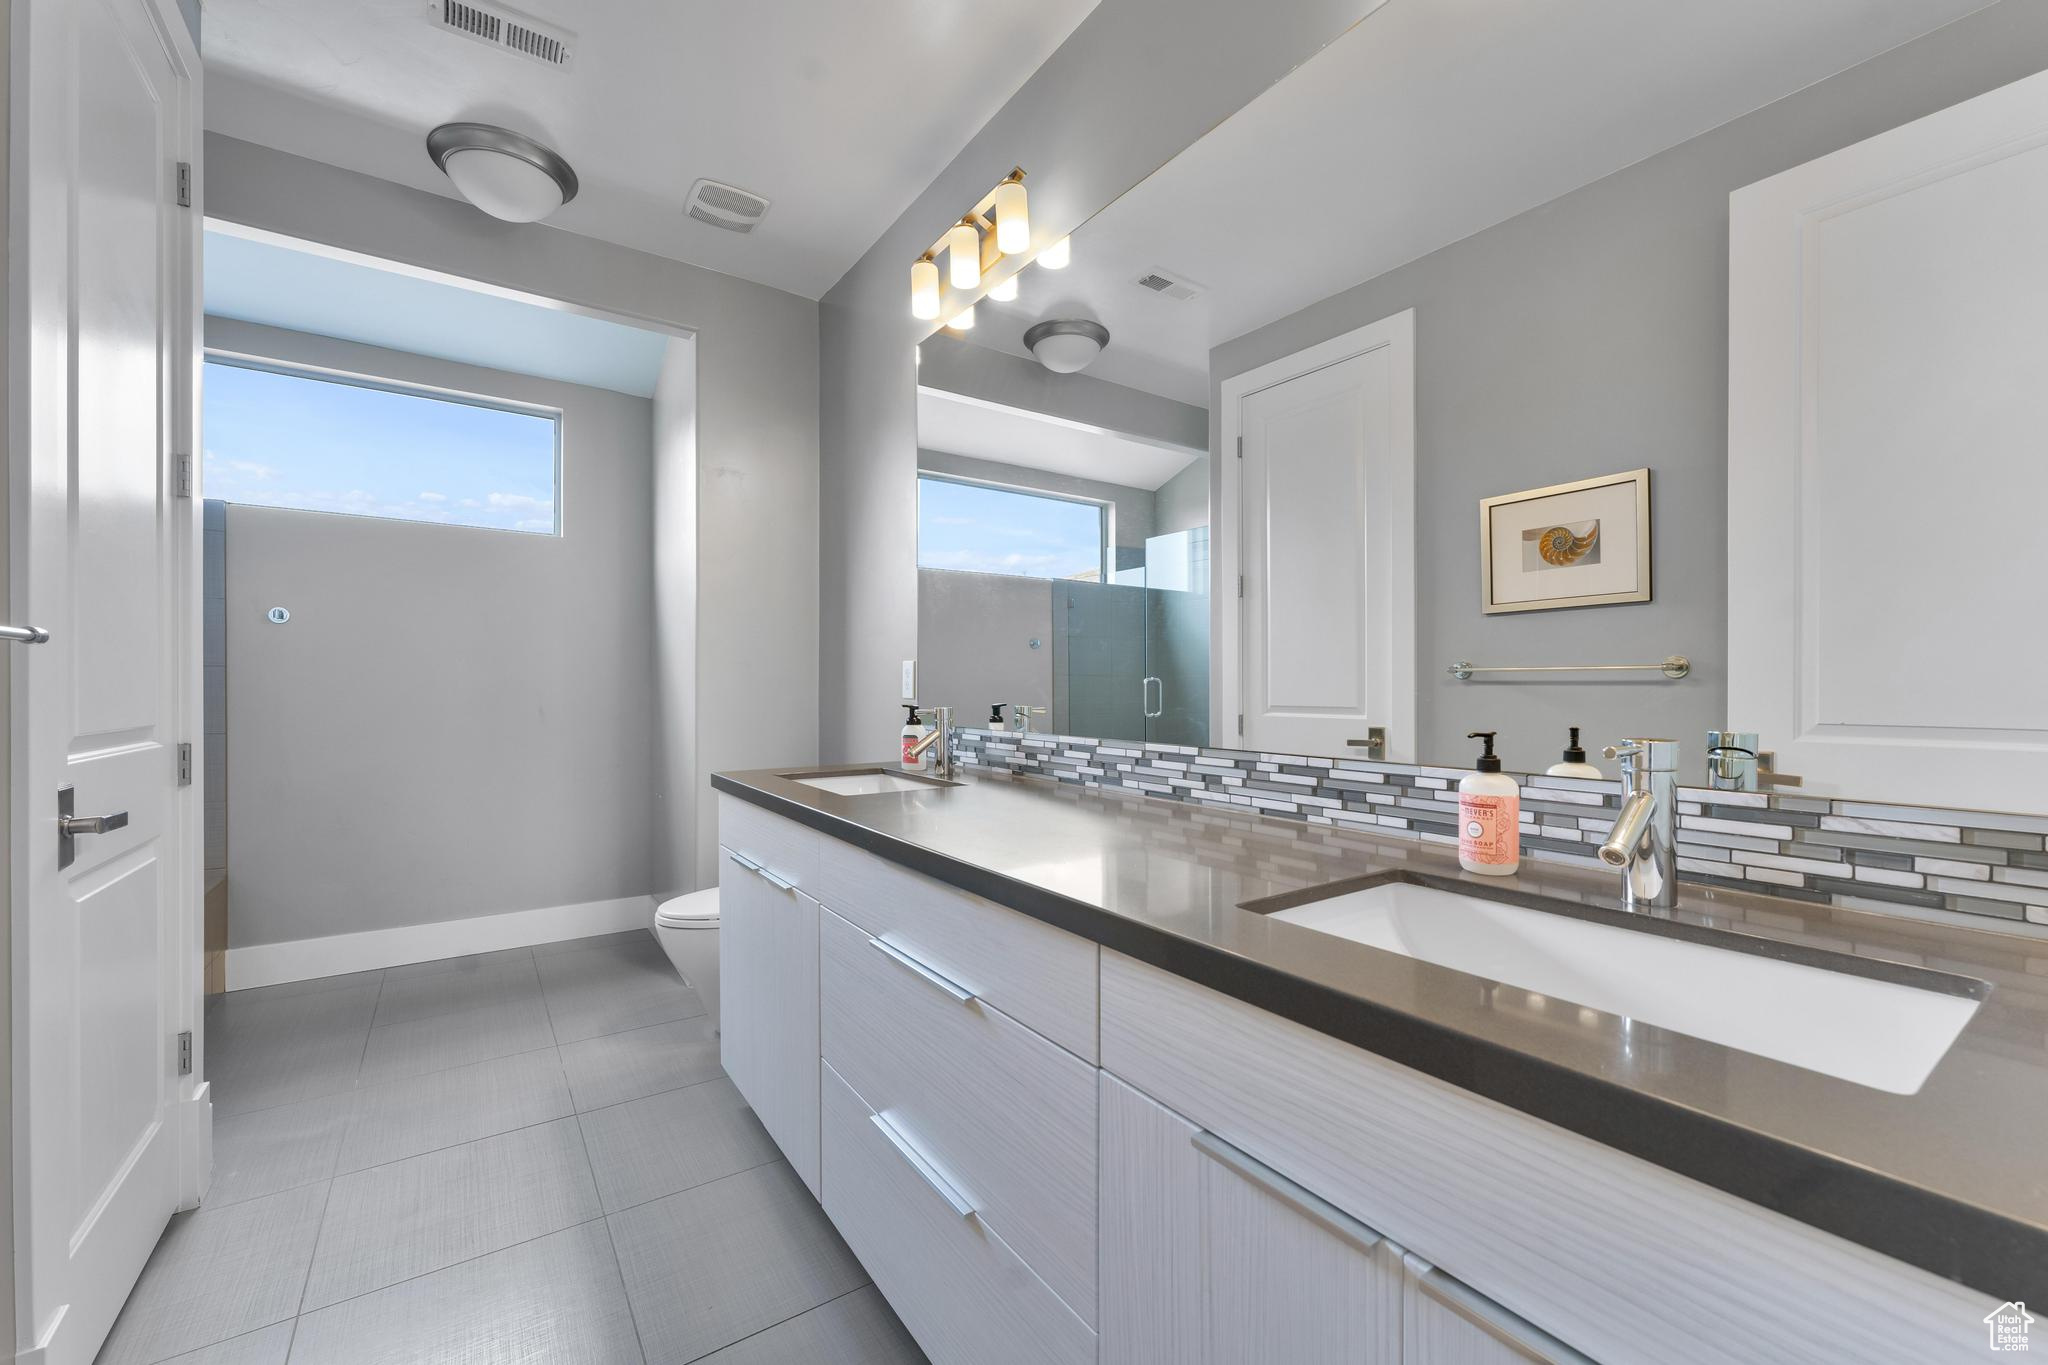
(506, 174)
(924, 288)
(998, 226)
(1056, 256)
(1013, 222)
(963, 321)
(1004, 291)
(963, 254)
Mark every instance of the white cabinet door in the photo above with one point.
(1209, 1255)
(768, 1004)
(1447, 1322)
(1886, 341)
(1319, 644)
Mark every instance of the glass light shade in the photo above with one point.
(1056, 256)
(502, 185)
(963, 321)
(963, 256)
(1013, 224)
(924, 290)
(1067, 354)
(1005, 292)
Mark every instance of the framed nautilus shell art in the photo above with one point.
(1583, 544)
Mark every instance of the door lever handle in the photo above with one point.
(24, 635)
(71, 826)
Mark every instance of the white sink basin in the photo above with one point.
(1877, 1033)
(866, 783)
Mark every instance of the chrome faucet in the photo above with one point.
(941, 735)
(1644, 840)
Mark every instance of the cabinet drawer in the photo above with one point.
(966, 1296)
(1602, 1249)
(1007, 1115)
(1036, 974)
(781, 846)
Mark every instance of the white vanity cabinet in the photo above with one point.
(1212, 1257)
(768, 976)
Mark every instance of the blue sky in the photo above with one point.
(993, 530)
(284, 440)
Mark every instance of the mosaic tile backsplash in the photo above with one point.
(1852, 853)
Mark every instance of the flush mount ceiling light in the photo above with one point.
(999, 226)
(1066, 345)
(506, 174)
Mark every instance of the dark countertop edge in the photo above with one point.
(1973, 1246)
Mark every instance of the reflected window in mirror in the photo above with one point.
(985, 528)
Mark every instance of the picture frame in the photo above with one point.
(1579, 544)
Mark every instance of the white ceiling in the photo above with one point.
(308, 291)
(840, 114)
(1431, 120)
(959, 425)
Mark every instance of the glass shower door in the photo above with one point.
(1174, 691)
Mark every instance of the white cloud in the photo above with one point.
(433, 497)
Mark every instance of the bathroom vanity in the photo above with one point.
(1086, 1076)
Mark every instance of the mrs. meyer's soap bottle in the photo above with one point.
(1489, 816)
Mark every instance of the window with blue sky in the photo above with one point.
(976, 528)
(282, 438)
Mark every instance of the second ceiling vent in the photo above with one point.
(505, 29)
(725, 206)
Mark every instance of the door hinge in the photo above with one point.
(185, 1053)
(184, 184)
(1240, 723)
(185, 764)
(1240, 447)
(184, 480)
(1240, 585)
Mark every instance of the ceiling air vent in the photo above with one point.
(505, 29)
(1172, 286)
(726, 206)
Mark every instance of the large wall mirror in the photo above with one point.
(1358, 426)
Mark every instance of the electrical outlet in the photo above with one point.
(910, 680)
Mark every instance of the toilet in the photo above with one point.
(688, 929)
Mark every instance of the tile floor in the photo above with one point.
(529, 1156)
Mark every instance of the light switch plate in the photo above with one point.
(910, 680)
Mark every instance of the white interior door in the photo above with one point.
(1888, 333)
(106, 963)
(1322, 525)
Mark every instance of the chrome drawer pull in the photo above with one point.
(949, 986)
(1525, 1339)
(780, 883)
(924, 1167)
(1309, 1205)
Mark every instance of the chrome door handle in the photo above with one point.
(73, 825)
(24, 635)
(1526, 1340)
(937, 978)
(1145, 698)
(779, 883)
(1307, 1203)
(922, 1165)
(70, 826)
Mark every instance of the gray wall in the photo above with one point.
(688, 811)
(976, 631)
(755, 538)
(1182, 502)
(1590, 335)
(1156, 74)
(957, 366)
(455, 721)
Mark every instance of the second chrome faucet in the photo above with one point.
(1644, 840)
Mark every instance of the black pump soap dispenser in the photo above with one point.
(1574, 764)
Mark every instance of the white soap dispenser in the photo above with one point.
(1574, 764)
(912, 732)
(1489, 816)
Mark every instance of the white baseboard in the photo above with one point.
(268, 964)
